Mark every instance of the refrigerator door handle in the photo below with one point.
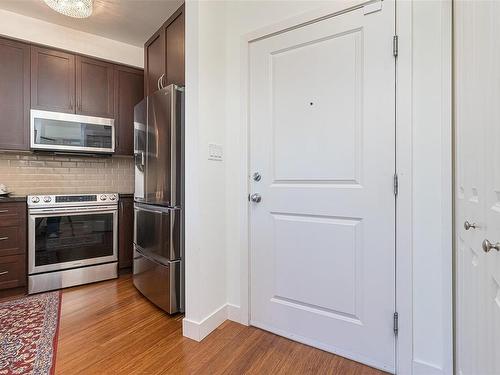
(155, 209)
(145, 254)
(173, 147)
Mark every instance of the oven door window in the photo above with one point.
(69, 238)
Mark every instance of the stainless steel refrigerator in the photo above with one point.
(158, 269)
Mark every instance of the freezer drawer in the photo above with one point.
(160, 283)
(157, 230)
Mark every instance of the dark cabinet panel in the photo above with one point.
(12, 245)
(154, 61)
(174, 42)
(52, 80)
(94, 87)
(164, 54)
(129, 90)
(12, 271)
(14, 95)
(125, 232)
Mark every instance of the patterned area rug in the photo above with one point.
(28, 334)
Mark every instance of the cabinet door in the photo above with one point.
(14, 94)
(52, 80)
(125, 232)
(154, 61)
(94, 87)
(129, 90)
(174, 46)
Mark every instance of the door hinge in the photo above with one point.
(396, 184)
(396, 323)
(395, 45)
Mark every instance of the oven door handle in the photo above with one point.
(72, 210)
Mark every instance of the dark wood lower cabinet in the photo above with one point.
(125, 232)
(12, 245)
(12, 271)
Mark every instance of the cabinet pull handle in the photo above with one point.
(4, 238)
(3, 211)
(160, 83)
(4, 273)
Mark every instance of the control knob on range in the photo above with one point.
(47, 199)
(112, 197)
(103, 197)
(35, 199)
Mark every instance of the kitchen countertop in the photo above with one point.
(22, 198)
(13, 198)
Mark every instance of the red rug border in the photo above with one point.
(56, 336)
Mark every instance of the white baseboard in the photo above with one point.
(233, 313)
(199, 330)
(423, 368)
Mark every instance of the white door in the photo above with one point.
(477, 122)
(322, 139)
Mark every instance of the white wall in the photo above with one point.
(205, 250)
(432, 188)
(37, 31)
(215, 41)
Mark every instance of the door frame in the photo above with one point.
(404, 355)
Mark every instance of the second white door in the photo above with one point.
(322, 143)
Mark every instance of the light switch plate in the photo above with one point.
(215, 152)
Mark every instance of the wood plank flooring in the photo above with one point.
(109, 328)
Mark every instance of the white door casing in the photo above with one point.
(322, 137)
(477, 122)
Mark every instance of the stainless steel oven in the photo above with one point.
(67, 132)
(70, 238)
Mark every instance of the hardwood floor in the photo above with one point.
(109, 328)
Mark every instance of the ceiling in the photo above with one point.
(128, 21)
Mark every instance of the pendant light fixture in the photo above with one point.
(72, 8)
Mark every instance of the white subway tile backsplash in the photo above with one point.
(37, 173)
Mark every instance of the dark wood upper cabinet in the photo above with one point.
(174, 49)
(164, 54)
(129, 90)
(14, 95)
(52, 80)
(94, 87)
(125, 232)
(154, 61)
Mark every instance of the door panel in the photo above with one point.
(154, 52)
(160, 283)
(477, 73)
(322, 137)
(129, 90)
(174, 49)
(163, 148)
(52, 80)
(125, 232)
(94, 87)
(15, 94)
(157, 232)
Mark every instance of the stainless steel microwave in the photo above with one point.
(67, 132)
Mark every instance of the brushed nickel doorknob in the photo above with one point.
(255, 198)
(468, 225)
(488, 246)
(256, 176)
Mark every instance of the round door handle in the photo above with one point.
(488, 246)
(255, 198)
(468, 225)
